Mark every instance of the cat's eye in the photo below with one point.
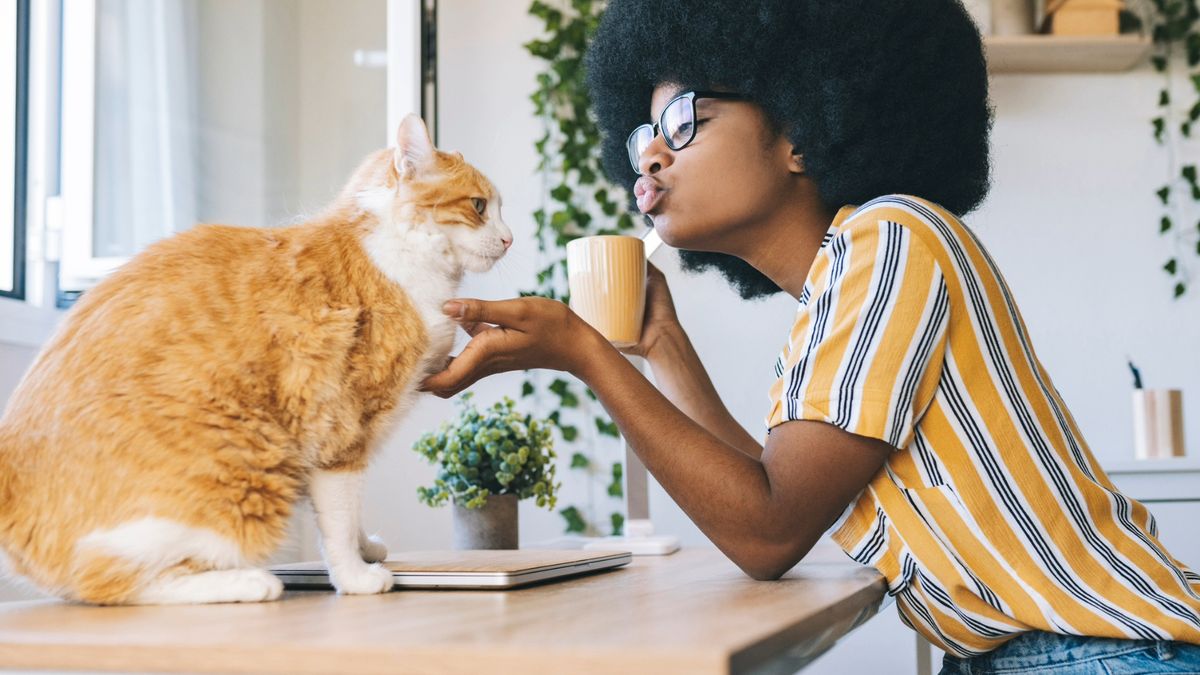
(479, 204)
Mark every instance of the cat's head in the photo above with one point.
(426, 198)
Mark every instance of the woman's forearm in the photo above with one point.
(723, 489)
(681, 377)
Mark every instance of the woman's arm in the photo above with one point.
(682, 378)
(678, 371)
(764, 515)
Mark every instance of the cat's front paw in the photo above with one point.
(363, 579)
(372, 549)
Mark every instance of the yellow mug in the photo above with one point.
(606, 277)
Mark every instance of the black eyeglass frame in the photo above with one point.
(656, 128)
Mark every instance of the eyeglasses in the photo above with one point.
(677, 122)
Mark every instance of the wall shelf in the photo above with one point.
(1065, 53)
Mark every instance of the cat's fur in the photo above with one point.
(156, 447)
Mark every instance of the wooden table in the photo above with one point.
(692, 612)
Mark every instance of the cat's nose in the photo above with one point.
(507, 242)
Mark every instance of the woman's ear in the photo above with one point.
(796, 161)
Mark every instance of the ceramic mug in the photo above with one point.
(606, 277)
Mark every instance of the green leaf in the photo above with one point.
(569, 432)
(526, 388)
(1164, 224)
(1180, 289)
(618, 524)
(607, 428)
(1171, 267)
(575, 522)
(617, 487)
(592, 395)
(1189, 173)
(580, 461)
(1164, 98)
(1164, 193)
(1160, 63)
(1159, 128)
(566, 397)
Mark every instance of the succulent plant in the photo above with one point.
(490, 452)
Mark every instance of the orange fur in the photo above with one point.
(206, 379)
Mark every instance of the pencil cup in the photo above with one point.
(1157, 423)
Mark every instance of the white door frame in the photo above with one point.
(404, 62)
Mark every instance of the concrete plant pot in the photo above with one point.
(492, 527)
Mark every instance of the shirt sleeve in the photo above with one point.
(867, 350)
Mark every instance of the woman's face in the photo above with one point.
(710, 195)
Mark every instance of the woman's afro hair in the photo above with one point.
(879, 96)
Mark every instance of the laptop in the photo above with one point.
(490, 570)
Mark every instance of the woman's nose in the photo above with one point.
(656, 157)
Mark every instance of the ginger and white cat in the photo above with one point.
(156, 447)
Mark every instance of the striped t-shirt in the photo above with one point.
(992, 517)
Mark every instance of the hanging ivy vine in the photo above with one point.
(576, 202)
(1177, 29)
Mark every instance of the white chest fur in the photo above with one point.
(423, 265)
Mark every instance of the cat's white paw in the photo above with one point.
(372, 549)
(256, 586)
(363, 579)
(238, 585)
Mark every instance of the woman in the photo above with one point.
(778, 141)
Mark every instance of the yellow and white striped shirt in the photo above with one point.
(992, 518)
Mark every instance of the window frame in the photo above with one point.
(79, 268)
(20, 152)
(32, 319)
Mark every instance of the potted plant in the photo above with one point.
(488, 460)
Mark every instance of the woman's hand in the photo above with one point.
(512, 335)
(660, 316)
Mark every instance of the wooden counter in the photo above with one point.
(692, 612)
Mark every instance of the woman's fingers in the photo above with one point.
(496, 312)
(465, 369)
(474, 328)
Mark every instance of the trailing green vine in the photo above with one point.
(577, 202)
(1177, 28)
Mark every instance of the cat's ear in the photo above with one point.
(414, 150)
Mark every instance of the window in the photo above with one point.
(179, 112)
(14, 78)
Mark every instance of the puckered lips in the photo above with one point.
(648, 192)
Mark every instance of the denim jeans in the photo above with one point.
(1038, 653)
